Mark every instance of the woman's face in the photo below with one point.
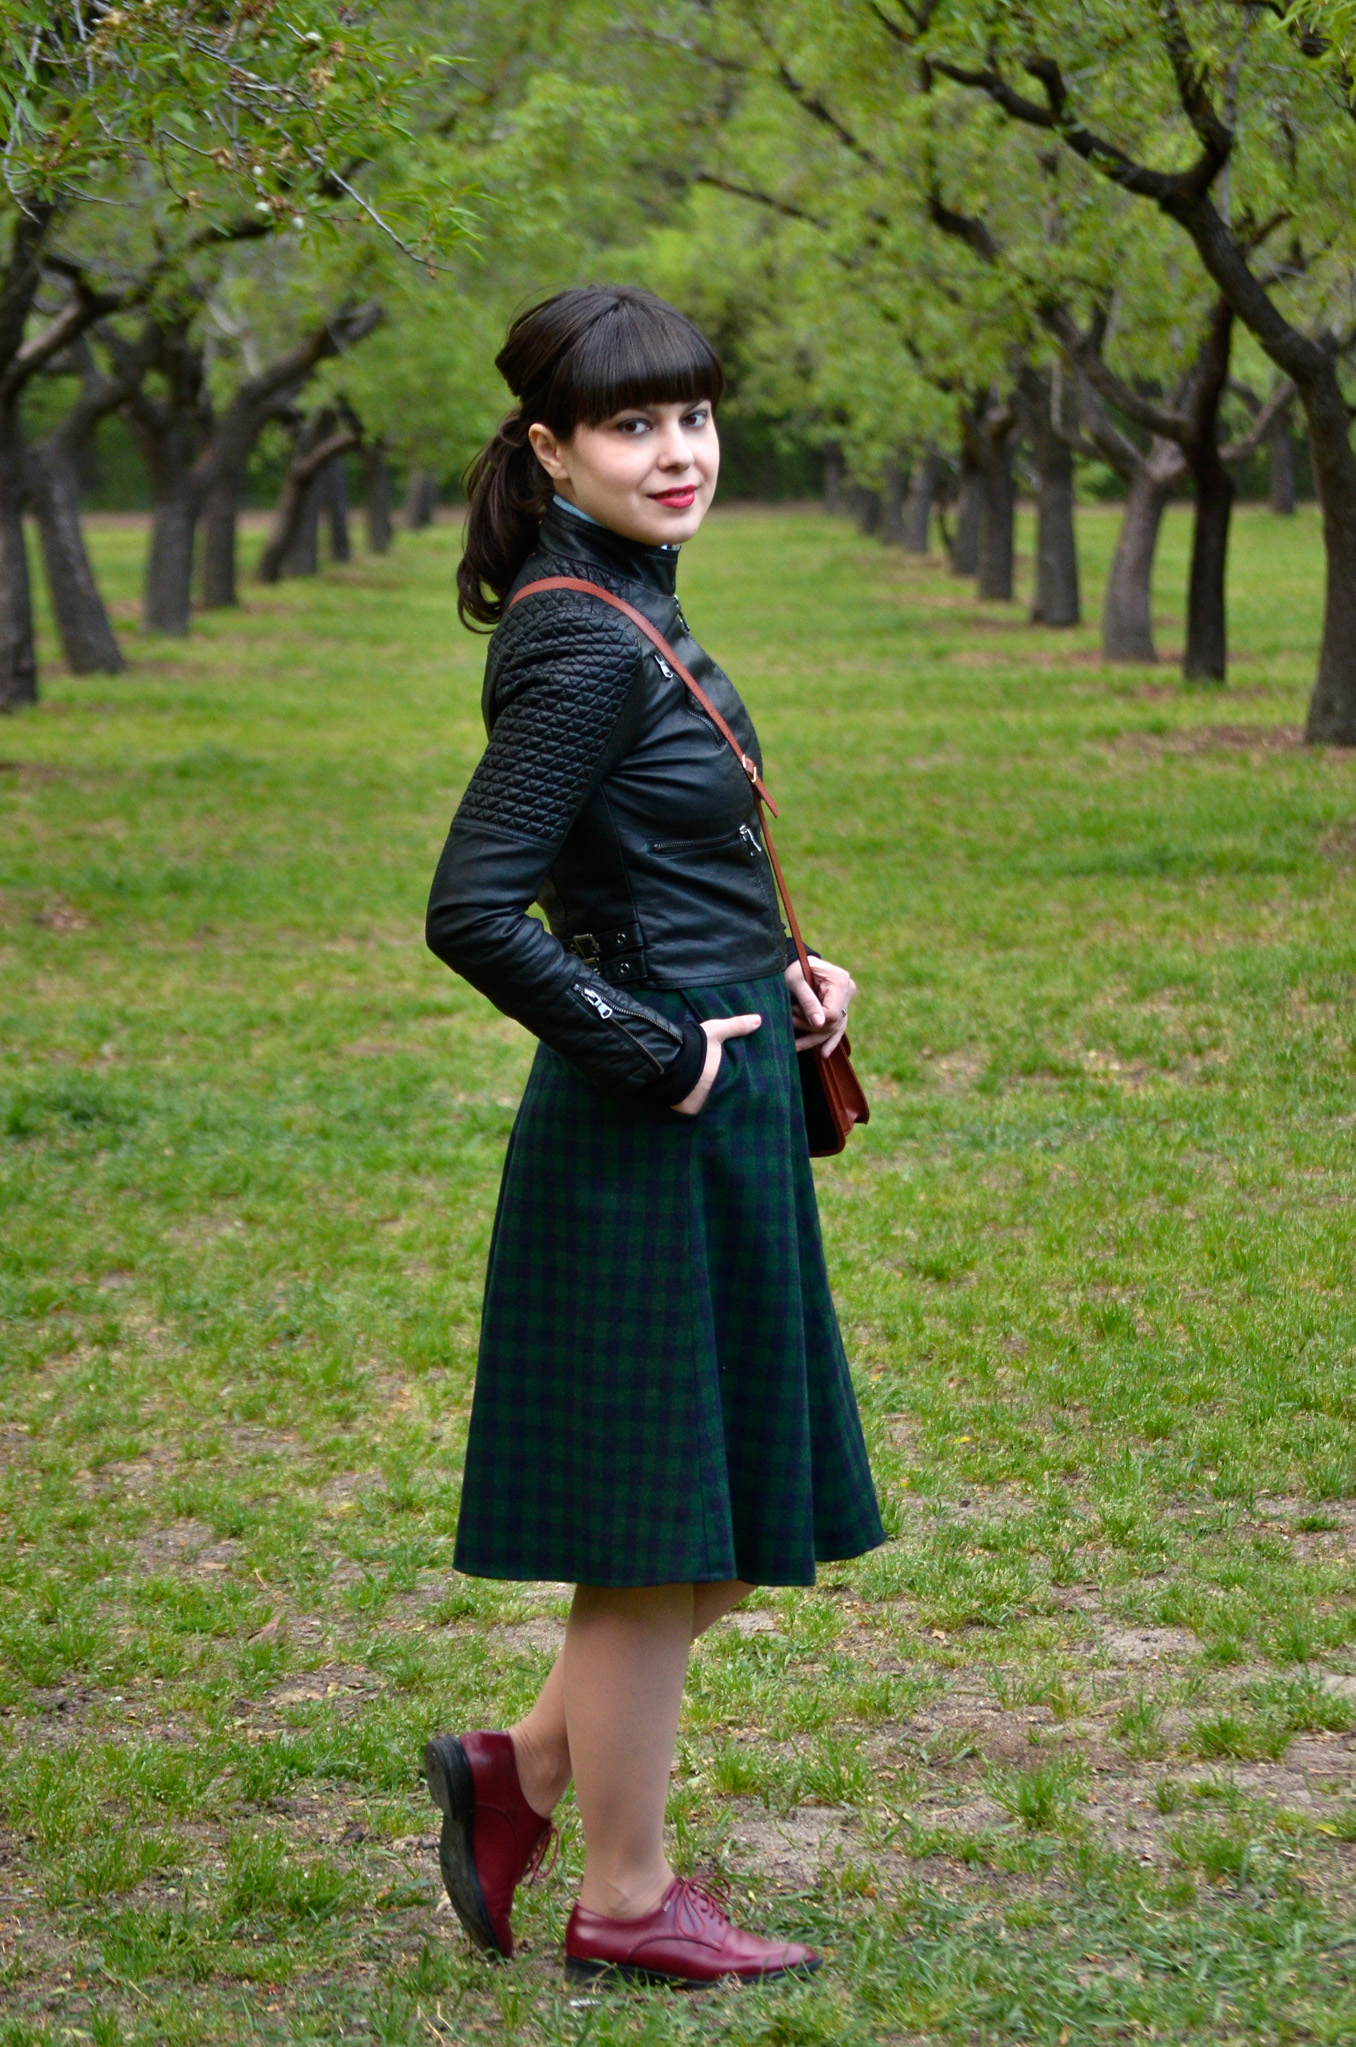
(649, 472)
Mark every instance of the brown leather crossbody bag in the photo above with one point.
(830, 1090)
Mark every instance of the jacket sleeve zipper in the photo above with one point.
(608, 1008)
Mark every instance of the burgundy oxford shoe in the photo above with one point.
(687, 1940)
(491, 1836)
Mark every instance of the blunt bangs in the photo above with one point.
(637, 351)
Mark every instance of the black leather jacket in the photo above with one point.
(607, 795)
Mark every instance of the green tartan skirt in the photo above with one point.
(662, 1395)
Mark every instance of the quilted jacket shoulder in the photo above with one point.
(556, 684)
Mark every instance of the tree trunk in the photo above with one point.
(377, 499)
(303, 554)
(1281, 465)
(1332, 707)
(168, 596)
(421, 499)
(833, 477)
(1311, 369)
(1055, 596)
(298, 501)
(334, 498)
(55, 469)
(167, 431)
(1149, 478)
(1127, 616)
(1206, 655)
(221, 515)
(975, 454)
(307, 474)
(219, 472)
(20, 275)
(865, 508)
(83, 626)
(287, 520)
(997, 517)
(18, 657)
(894, 479)
(1204, 658)
(963, 550)
(923, 487)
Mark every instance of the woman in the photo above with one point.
(663, 1415)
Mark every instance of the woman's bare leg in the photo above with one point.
(540, 1742)
(627, 1657)
(625, 1660)
(541, 1746)
(711, 1603)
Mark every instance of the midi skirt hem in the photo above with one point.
(614, 1582)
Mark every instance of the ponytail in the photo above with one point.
(507, 490)
(577, 358)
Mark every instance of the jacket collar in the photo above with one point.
(594, 546)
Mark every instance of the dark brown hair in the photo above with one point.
(576, 358)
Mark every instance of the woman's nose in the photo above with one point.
(674, 451)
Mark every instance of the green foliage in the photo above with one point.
(273, 103)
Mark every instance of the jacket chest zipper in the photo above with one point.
(669, 676)
(722, 839)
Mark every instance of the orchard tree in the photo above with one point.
(1237, 123)
(196, 434)
(1082, 265)
(236, 121)
(52, 467)
(956, 229)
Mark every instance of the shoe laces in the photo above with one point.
(538, 1868)
(711, 1895)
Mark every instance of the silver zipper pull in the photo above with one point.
(751, 840)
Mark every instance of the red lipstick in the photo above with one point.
(678, 499)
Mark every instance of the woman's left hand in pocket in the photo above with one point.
(821, 1010)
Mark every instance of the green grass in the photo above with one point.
(1071, 1758)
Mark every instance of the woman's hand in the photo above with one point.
(821, 1010)
(718, 1029)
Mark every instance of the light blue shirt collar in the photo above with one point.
(577, 510)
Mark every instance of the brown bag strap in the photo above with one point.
(657, 640)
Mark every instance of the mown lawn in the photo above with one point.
(1071, 1759)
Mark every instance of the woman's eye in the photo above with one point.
(634, 427)
(697, 419)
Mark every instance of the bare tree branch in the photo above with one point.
(1215, 138)
(768, 199)
(818, 108)
(1086, 356)
(1098, 150)
(1268, 413)
(962, 227)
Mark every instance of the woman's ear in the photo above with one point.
(547, 450)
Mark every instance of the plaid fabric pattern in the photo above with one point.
(662, 1394)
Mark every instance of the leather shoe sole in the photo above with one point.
(451, 1785)
(579, 1970)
